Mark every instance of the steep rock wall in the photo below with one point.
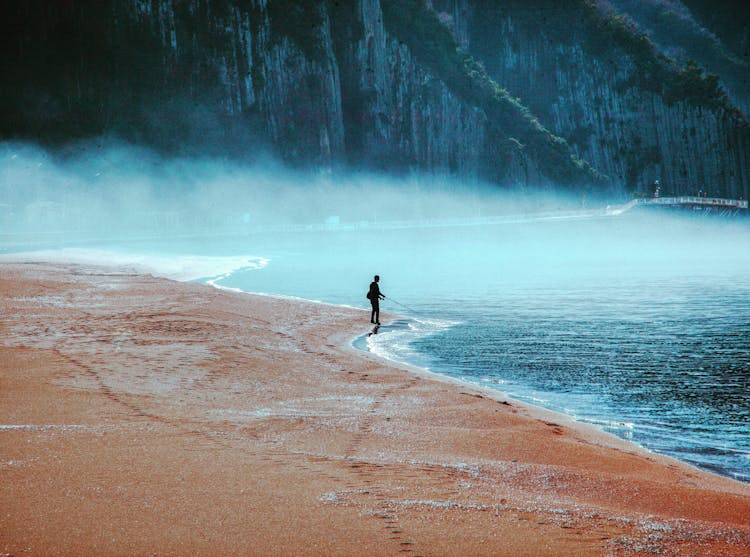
(399, 112)
(632, 133)
(322, 83)
(344, 83)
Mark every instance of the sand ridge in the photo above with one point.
(144, 416)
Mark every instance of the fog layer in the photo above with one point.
(104, 189)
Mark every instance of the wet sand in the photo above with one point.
(140, 416)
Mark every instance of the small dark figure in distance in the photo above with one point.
(374, 295)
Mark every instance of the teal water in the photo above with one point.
(639, 324)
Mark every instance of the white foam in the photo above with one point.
(178, 267)
(394, 342)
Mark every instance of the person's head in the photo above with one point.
(377, 278)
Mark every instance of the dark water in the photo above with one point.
(667, 370)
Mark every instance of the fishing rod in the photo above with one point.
(402, 305)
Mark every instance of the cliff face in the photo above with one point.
(323, 83)
(396, 111)
(378, 84)
(630, 113)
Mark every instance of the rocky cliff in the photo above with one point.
(466, 87)
(593, 77)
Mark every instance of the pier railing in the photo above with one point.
(684, 201)
(695, 200)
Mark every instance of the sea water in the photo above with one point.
(639, 324)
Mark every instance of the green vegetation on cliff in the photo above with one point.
(607, 34)
(606, 30)
(413, 23)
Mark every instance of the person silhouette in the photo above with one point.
(374, 295)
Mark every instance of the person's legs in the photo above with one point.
(375, 315)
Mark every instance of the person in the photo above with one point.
(374, 295)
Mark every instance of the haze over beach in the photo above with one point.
(195, 196)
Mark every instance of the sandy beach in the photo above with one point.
(143, 416)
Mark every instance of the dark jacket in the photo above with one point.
(375, 294)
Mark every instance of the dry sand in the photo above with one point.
(140, 416)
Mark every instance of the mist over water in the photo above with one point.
(103, 188)
(639, 323)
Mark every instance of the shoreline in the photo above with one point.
(141, 415)
(588, 430)
(498, 395)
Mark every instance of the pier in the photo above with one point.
(691, 202)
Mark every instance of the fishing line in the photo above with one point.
(402, 305)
